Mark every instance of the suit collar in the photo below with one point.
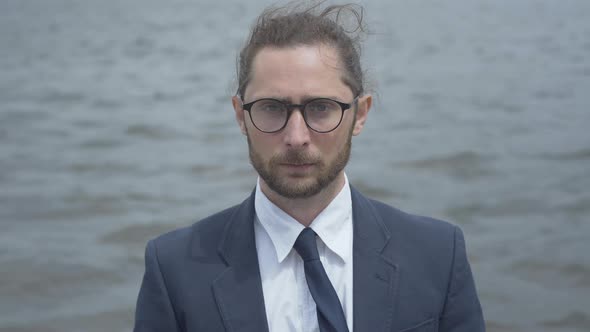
(238, 289)
(375, 275)
(237, 245)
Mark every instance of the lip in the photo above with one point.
(298, 166)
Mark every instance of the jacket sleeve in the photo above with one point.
(154, 311)
(462, 311)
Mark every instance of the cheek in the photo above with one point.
(330, 143)
(264, 144)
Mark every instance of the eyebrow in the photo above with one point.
(304, 99)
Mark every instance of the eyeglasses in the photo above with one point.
(321, 115)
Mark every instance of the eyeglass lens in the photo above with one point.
(320, 115)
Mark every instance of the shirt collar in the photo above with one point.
(333, 225)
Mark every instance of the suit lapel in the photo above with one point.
(375, 276)
(238, 289)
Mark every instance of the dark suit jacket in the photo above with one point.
(410, 273)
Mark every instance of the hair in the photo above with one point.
(306, 24)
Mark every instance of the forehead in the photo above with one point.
(295, 72)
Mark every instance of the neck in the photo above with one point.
(305, 210)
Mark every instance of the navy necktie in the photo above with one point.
(330, 314)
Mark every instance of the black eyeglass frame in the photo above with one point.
(291, 107)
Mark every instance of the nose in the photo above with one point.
(296, 132)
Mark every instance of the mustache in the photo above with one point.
(297, 157)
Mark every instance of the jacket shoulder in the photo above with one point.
(396, 219)
(204, 234)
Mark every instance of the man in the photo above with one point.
(306, 251)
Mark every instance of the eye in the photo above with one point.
(269, 106)
(321, 106)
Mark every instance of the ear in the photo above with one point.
(363, 106)
(237, 103)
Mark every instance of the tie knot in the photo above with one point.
(306, 245)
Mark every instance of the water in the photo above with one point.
(116, 125)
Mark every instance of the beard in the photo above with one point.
(327, 170)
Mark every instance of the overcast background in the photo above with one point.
(116, 125)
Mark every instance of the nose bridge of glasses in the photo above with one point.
(291, 108)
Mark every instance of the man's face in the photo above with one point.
(298, 162)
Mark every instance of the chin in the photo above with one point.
(293, 187)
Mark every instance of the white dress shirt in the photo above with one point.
(288, 302)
